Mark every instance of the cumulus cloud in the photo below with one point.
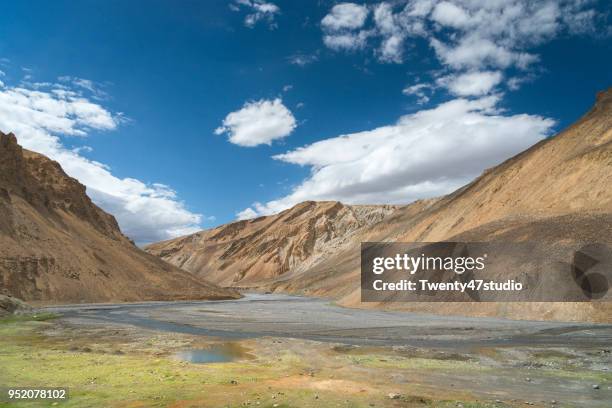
(345, 16)
(258, 10)
(465, 35)
(475, 32)
(42, 115)
(346, 41)
(258, 122)
(425, 154)
(341, 27)
(450, 14)
(394, 28)
(472, 83)
(476, 52)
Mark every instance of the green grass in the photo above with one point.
(34, 317)
(100, 379)
(145, 375)
(578, 374)
(413, 363)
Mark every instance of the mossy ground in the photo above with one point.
(122, 367)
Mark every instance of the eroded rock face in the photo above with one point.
(57, 246)
(43, 184)
(248, 252)
(10, 305)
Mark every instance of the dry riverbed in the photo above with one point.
(109, 363)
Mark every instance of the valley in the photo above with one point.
(286, 351)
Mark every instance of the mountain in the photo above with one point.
(57, 246)
(249, 252)
(556, 192)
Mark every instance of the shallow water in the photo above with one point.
(316, 319)
(216, 354)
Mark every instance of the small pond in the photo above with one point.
(215, 354)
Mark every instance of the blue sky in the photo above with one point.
(135, 98)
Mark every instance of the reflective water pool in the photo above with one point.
(216, 354)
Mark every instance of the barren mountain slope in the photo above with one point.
(246, 253)
(557, 191)
(57, 246)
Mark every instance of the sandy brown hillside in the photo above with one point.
(246, 253)
(558, 191)
(57, 246)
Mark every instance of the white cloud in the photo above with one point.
(475, 52)
(392, 45)
(145, 212)
(429, 153)
(258, 10)
(345, 16)
(302, 59)
(472, 83)
(476, 83)
(246, 214)
(94, 88)
(420, 90)
(450, 14)
(339, 26)
(259, 122)
(346, 41)
(515, 83)
(472, 34)
(477, 42)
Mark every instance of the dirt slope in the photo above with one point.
(57, 246)
(246, 253)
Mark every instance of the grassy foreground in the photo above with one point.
(123, 367)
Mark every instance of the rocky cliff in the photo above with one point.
(57, 246)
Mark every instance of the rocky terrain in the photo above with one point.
(57, 246)
(10, 305)
(246, 253)
(557, 191)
